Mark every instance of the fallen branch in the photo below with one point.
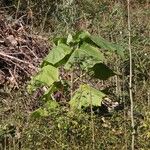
(18, 60)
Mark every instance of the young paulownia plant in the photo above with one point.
(81, 52)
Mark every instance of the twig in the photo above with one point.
(44, 21)
(124, 111)
(92, 121)
(72, 83)
(79, 77)
(18, 60)
(148, 98)
(18, 5)
(130, 78)
(24, 46)
(12, 79)
(9, 60)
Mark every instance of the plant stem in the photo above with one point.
(45, 18)
(18, 6)
(124, 112)
(72, 78)
(148, 97)
(92, 122)
(130, 78)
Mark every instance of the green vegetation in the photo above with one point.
(87, 64)
(78, 53)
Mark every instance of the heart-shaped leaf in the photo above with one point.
(57, 55)
(86, 56)
(48, 75)
(86, 96)
(101, 71)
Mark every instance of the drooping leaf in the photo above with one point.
(87, 56)
(58, 54)
(48, 75)
(102, 43)
(101, 71)
(86, 96)
(92, 51)
(119, 50)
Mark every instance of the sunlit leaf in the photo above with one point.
(86, 55)
(86, 96)
(57, 54)
(48, 75)
(102, 43)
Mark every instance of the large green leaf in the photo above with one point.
(90, 50)
(87, 56)
(102, 43)
(86, 96)
(101, 71)
(48, 75)
(58, 54)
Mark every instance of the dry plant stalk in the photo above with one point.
(130, 78)
(92, 123)
(18, 6)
